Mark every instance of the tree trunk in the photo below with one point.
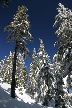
(13, 83)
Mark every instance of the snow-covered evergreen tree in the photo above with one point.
(2, 62)
(64, 32)
(34, 68)
(59, 92)
(19, 32)
(7, 69)
(21, 72)
(63, 20)
(44, 77)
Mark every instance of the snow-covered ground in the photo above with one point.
(21, 101)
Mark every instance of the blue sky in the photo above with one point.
(41, 15)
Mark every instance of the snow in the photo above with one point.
(27, 23)
(40, 53)
(67, 66)
(21, 101)
(65, 53)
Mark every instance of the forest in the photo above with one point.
(45, 80)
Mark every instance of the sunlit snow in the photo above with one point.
(21, 101)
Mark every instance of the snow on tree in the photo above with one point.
(7, 69)
(62, 98)
(2, 62)
(21, 72)
(58, 74)
(64, 32)
(19, 32)
(34, 67)
(44, 77)
(64, 21)
(69, 79)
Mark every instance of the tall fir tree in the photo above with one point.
(34, 67)
(59, 90)
(19, 32)
(63, 20)
(44, 77)
(64, 32)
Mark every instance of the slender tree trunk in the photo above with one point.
(13, 83)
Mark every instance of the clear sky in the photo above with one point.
(41, 15)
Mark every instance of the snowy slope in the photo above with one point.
(21, 101)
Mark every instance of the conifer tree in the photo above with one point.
(19, 32)
(62, 98)
(2, 63)
(59, 92)
(7, 69)
(64, 32)
(21, 72)
(63, 20)
(34, 67)
(44, 77)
